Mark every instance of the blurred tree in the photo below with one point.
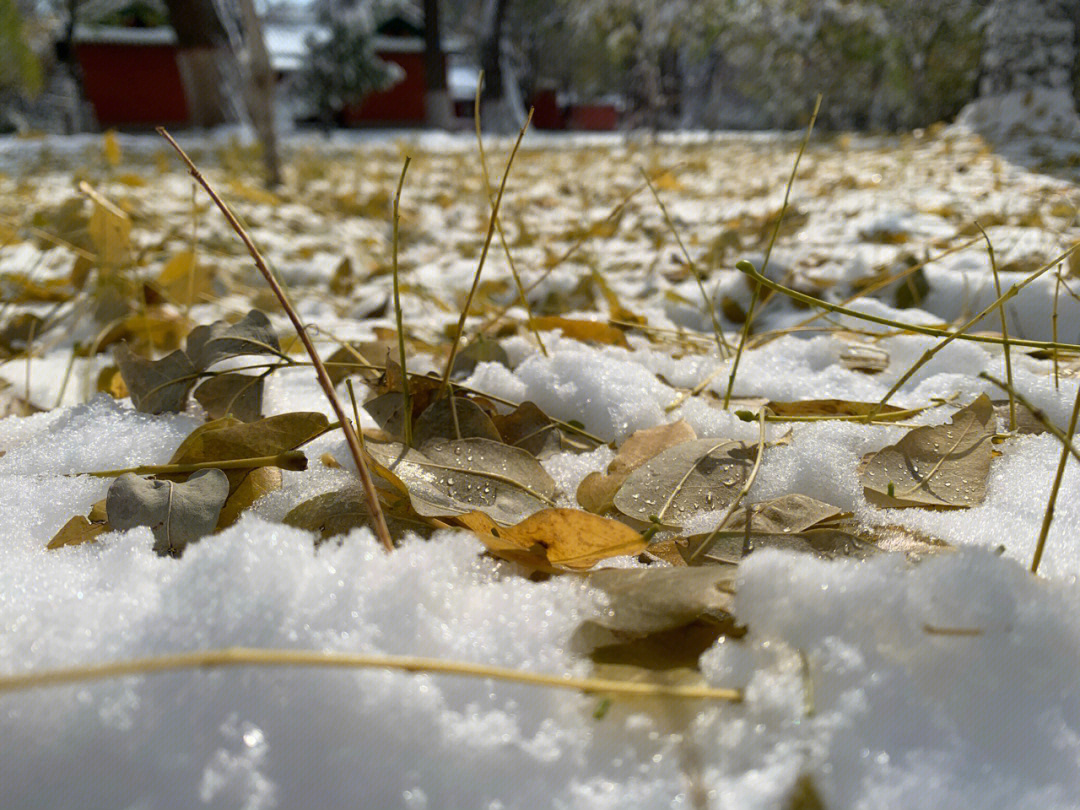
(260, 89)
(497, 113)
(342, 66)
(437, 98)
(20, 69)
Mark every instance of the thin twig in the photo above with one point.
(1048, 516)
(483, 256)
(745, 333)
(489, 196)
(748, 268)
(697, 552)
(1004, 328)
(722, 347)
(372, 498)
(256, 657)
(406, 398)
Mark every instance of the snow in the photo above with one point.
(950, 683)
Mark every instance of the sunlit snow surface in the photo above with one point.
(947, 684)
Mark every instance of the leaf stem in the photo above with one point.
(745, 333)
(261, 657)
(483, 256)
(288, 460)
(1048, 515)
(377, 518)
(406, 397)
(748, 268)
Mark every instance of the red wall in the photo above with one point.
(401, 104)
(133, 84)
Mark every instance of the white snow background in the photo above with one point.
(902, 718)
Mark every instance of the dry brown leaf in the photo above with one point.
(594, 331)
(240, 395)
(156, 386)
(836, 407)
(260, 481)
(177, 513)
(564, 538)
(228, 438)
(451, 478)
(939, 466)
(597, 491)
(77, 531)
(686, 480)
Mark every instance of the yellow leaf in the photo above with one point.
(110, 229)
(258, 482)
(111, 147)
(184, 280)
(568, 538)
(595, 331)
(254, 194)
(77, 531)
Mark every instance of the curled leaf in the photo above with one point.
(178, 514)
(228, 439)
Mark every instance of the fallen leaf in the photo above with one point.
(184, 280)
(575, 539)
(451, 478)
(253, 334)
(227, 439)
(649, 600)
(827, 543)
(836, 407)
(110, 232)
(178, 514)
(481, 350)
(865, 358)
(684, 481)
(258, 482)
(156, 386)
(942, 466)
(593, 331)
(240, 395)
(788, 513)
(531, 429)
(1026, 421)
(466, 420)
(77, 531)
(597, 491)
(342, 510)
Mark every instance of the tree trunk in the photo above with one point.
(202, 41)
(436, 97)
(260, 90)
(495, 109)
